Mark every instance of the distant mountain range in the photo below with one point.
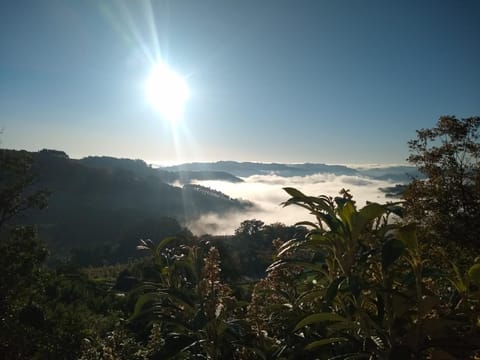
(401, 174)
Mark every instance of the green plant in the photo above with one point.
(196, 313)
(357, 286)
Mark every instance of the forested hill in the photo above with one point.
(97, 201)
(139, 167)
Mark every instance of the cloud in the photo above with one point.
(266, 192)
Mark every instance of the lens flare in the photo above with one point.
(167, 92)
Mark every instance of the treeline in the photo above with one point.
(393, 281)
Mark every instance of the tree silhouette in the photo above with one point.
(447, 202)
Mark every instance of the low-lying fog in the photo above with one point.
(266, 192)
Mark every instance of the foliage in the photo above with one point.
(44, 313)
(447, 202)
(22, 252)
(377, 282)
(357, 286)
(195, 312)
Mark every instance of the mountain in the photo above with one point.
(140, 167)
(186, 176)
(401, 174)
(245, 169)
(97, 201)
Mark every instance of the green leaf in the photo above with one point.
(332, 291)
(396, 209)
(180, 297)
(474, 274)
(332, 222)
(162, 244)
(293, 262)
(319, 317)
(365, 216)
(458, 282)
(408, 235)
(392, 249)
(307, 223)
(310, 296)
(372, 211)
(143, 301)
(322, 203)
(323, 342)
(289, 245)
(346, 212)
(294, 192)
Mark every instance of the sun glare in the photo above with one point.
(166, 91)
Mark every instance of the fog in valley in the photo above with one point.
(267, 194)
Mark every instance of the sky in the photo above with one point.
(271, 81)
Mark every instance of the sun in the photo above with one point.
(166, 91)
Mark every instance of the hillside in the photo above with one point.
(140, 167)
(97, 202)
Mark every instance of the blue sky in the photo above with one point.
(274, 81)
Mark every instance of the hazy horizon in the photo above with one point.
(174, 162)
(168, 163)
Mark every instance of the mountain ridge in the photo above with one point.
(399, 173)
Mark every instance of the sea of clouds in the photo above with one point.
(266, 193)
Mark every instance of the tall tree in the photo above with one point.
(447, 201)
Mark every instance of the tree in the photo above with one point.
(16, 181)
(447, 202)
(250, 227)
(22, 253)
(21, 250)
(44, 313)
